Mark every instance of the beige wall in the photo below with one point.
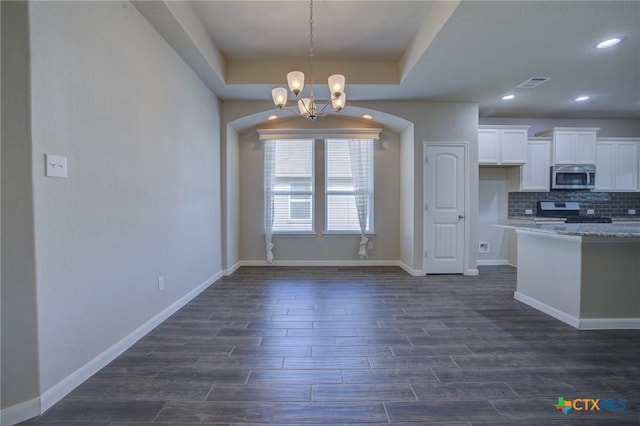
(142, 198)
(20, 378)
(412, 123)
(320, 247)
(492, 209)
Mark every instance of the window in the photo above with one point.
(341, 210)
(292, 190)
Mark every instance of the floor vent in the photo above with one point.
(533, 82)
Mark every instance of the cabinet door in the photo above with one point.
(536, 172)
(488, 146)
(605, 166)
(585, 147)
(564, 148)
(626, 166)
(513, 146)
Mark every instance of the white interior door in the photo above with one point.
(444, 223)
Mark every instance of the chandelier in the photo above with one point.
(307, 107)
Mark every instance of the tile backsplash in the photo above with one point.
(608, 204)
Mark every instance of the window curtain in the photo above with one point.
(360, 155)
(269, 181)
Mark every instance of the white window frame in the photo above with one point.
(327, 192)
(293, 193)
(323, 134)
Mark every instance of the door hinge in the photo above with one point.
(426, 206)
(426, 159)
(426, 253)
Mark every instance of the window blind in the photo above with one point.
(293, 186)
(341, 211)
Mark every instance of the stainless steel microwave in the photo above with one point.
(573, 177)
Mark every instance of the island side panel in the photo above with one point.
(549, 273)
(611, 283)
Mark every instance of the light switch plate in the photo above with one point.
(56, 166)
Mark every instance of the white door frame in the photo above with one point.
(465, 251)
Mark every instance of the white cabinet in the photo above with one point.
(536, 173)
(503, 145)
(573, 145)
(617, 166)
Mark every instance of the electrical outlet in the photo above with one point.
(160, 283)
(631, 212)
(483, 247)
(370, 245)
(591, 211)
(528, 212)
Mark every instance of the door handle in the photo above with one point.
(460, 216)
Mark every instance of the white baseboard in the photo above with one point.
(68, 384)
(580, 323)
(473, 272)
(20, 412)
(327, 263)
(409, 270)
(493, 262)
(610, 324)
(549, 310)
(231, 270)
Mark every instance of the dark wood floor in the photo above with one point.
(360, 345)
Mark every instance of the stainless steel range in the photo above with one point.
(568, 210)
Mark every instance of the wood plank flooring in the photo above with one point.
(339, 346)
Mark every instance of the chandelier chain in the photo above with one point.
(311, 29)
(311, 44)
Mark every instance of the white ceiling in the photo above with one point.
(469, 51)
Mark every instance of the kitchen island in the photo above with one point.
(586, 275)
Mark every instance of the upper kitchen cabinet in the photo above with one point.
(617, 166)
(502, 145)
(535, 175)
(573, 145)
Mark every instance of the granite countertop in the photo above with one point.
(607, 230)
(560, 219)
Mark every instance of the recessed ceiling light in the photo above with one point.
(582, 98)
(605, 44)
(508, 97)
(367, 116)
(272, 117)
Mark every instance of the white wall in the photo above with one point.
(142, 199)
(493, 201)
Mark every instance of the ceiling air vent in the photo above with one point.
(533, 82)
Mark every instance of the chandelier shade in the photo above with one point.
(336, 85)
(307, 106)
(295, 79)
(338, 103)
(279, 96)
